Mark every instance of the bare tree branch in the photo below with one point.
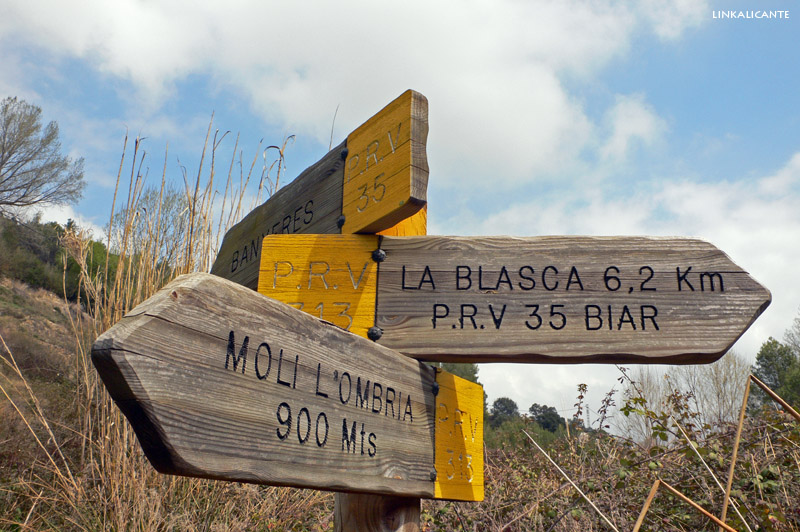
(32, 169)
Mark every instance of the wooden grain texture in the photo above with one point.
(385, 183)
(563, 299)
(311, 203)
(386, 172)
(355, 512)
(415, 225)
(221, 382)
(459, 439)
(332, 277)
(200, 407)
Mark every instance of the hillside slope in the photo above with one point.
(35, 327)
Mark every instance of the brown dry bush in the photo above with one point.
(525, 493)
(82, 468)
(87, 471)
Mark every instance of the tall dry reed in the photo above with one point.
(91, 475)
(101, 480)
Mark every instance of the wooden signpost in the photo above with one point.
(372, 181)
(221, 382)
(503, 299)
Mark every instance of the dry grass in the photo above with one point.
(524, 492)
(69, 460)
(84, 469)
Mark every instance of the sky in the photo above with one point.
(563, 117)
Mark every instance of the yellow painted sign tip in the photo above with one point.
(458, 439)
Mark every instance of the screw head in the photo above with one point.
(433, 474)
(374, 333)
(340, 221)
(379, 255)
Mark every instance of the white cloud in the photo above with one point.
(670, 18)
(63, 213)
(492, 71)
(495, 73)
(631, 120)
(11, 78)
(554, 385)
(784, 181)
(575, 212)
(755, 221)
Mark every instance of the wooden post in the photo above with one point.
(200, 408)
(376, 513)
(382, 171)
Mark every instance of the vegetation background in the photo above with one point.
(69, 461)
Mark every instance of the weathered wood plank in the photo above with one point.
(563, 299)
(413, 226)
(311, 203)
(386, 173)
(386, 182)
(332, 277)
(355, 512)
(540, 299)
(459, 439)
(221, 382)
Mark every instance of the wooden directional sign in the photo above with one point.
(332, 277)
(369, 183)
(221, 382)
(386, 173)
(503, 299)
